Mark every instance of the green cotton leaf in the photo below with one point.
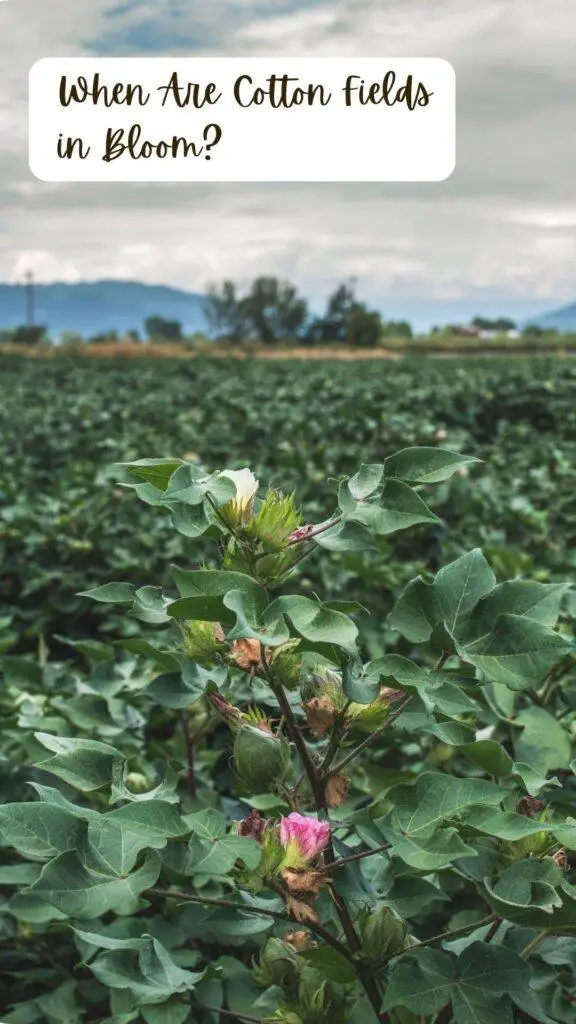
(315, 622)
(397, 508)
(477, 1007)
(452, 733)
(178, 690)
(215, 851)
(217, 857)
(174, 1011)
(348, 535)
(539, 602)
(535, 894)
(39, 830)
(490, 756)
(53, 796)
(533, 780)
(365, 482)
(111, 593)
(150, 605)
(154, 471)
(459, 586)
(208, 824)
(84, 885)
(430, 853)
(253, 621)
(144, 968)
(85, 764)
(330, 963)
(60, 1005)
(165, 659)
(433, 797)
(519, 652)
(503, 824)
(190, 520)
(94, 650)
(425, 465)
(421, 980)
(153, 819)
(202, 594)
(455, 591)
(415, 613)
(543, 742)
(165, 790)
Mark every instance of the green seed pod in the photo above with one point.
(202, 641)
(279, 965)
(313, 992)
(283, 1016)
(287, 663)
(276, 519)
(367, 717)
(261, 760)
(383, 933)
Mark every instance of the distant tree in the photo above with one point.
(501, 324)
(28, 334)
(159, 329)
(270, 313)
(346, 320)
(105, 338)
(133, 335)
(224, 312)
(397, 329)
(274, 311)
(70, 339)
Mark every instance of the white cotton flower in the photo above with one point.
(246, 486)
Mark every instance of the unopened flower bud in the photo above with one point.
(287, 663)
(279, 964)
(261, 760)
(202, 641)
(275, 521)
(383, 933)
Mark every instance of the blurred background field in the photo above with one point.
(66, 523)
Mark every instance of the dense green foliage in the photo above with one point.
(416, 692)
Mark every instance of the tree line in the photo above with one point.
(271, 312)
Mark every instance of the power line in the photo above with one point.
(29, 288)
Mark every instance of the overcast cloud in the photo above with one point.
(502, 227)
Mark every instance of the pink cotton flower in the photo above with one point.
(303, 839)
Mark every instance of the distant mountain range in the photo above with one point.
(95, 307)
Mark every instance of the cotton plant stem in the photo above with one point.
(226, 1013)
(316, 533)
(317, 785)
(277, 915)
(368, 741)
(360, 856)
(534, 943)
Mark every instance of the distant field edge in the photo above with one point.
(125, 350)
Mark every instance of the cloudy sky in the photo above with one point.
(501, 230)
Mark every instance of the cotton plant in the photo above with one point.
(342, 888)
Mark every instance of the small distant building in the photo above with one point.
(462, 331)
(490, 334)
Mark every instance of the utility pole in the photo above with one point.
(29, 287)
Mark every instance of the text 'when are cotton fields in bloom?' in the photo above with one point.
(232, 119)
